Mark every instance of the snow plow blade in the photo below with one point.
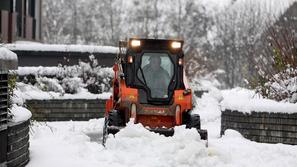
(170, 132)
(163, 131)
(113, 129)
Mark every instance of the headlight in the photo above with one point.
(135, 43)
(176, 45)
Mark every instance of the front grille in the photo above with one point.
(156, 121)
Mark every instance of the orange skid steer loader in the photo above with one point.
(150, 86)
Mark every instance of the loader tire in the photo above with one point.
(193, 122)
(115, 119)
(203, 134)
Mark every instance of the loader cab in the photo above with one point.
(155, 68)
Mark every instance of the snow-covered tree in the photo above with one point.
(215, 38)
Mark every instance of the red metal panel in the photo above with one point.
(155, 121)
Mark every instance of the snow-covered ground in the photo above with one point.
(79, 144)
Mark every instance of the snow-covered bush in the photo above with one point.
(71, 85)
(280, 82)
(281, 86)
(69, 79)
(28, 79)
(49, 84)
(96, 78)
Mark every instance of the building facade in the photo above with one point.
(20, 20)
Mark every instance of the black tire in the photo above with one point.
(115, 118)
(193, 122)
(203, 134)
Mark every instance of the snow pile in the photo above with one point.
(208, 106)
(61, 48)
(133, 146)
(210, 112)
(19, 113)
(151, 149)
(6, 54)
(234, 150)
(74, 144)
(79, 144)
(247, 101)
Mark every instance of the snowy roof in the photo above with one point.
(61, 48)
(8, 59)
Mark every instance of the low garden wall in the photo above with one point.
(66, 109)
(267, 127)
(18, 144)
(15, 144)
(52, 55)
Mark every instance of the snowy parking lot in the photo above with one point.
(79, 144)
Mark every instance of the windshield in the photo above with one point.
(156, 72)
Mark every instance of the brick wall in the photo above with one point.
(262, 126)
(66, 109)
(18, 144)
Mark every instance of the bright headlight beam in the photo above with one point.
(176, 45)
(135, 43)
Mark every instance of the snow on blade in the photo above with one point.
(68, 144)
(151, 149)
